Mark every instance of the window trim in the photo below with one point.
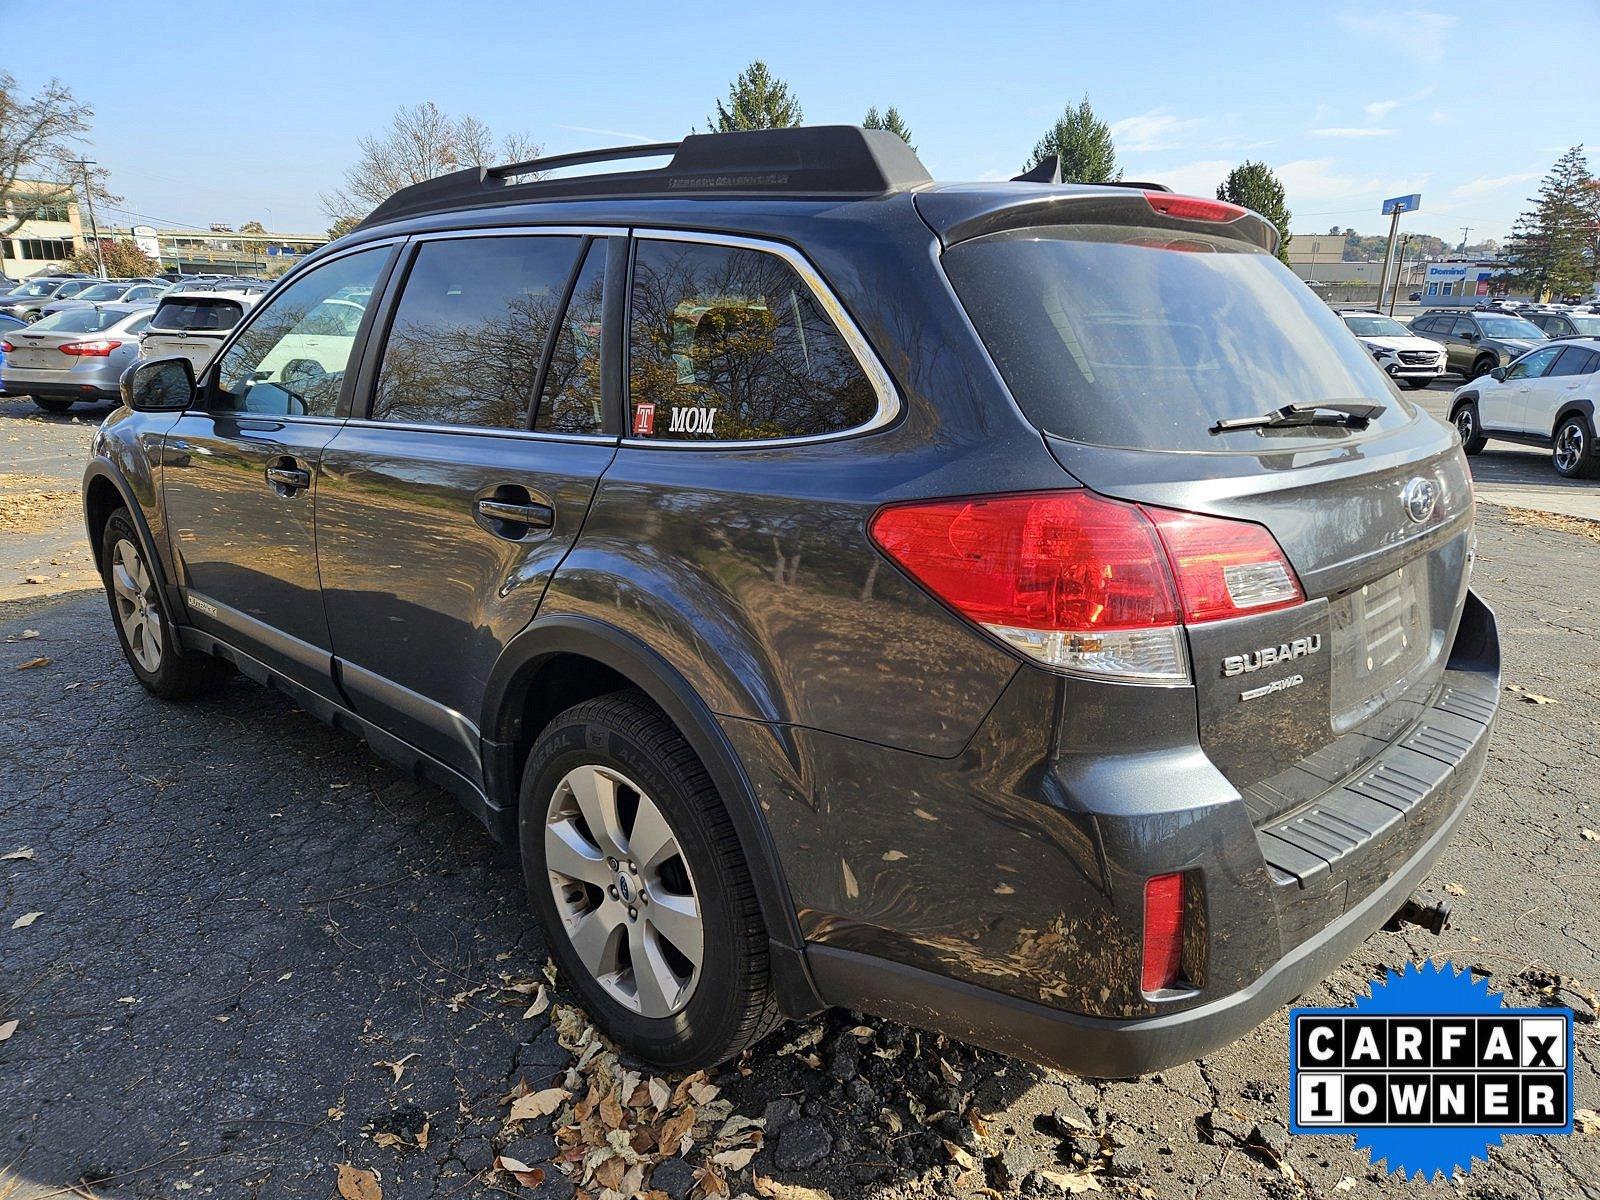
(360, 414)
(889, 405)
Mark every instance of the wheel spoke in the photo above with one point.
(596, 794)
(597, 937)
(677, 918)
(654, 983)
(569, 853)
(123, 581)
(651, 842)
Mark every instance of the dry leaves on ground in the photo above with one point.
(32, 663)
(1581, 526)
(358, 1183)
(16, 855)
(34, 511)
(1528, 697)
(25, 920)
(398, 1066)
(7, 1028)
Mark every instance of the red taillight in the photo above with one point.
(1085, 583)
(6, 347)
(1163, 932)
(98, 348)
(1193, 208)
(1224, 568)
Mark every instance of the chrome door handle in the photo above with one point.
(289, 477)
(534, 516)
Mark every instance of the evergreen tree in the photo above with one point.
(757, 100)
(1253, 185)
(890, 120)
(1553, 246)
(1083, 143)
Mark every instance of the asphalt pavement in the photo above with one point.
(261, 956)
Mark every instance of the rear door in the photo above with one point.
(1505, 407)
(1126, 347)
(1569, 377)
(447, 504)
(239, 474)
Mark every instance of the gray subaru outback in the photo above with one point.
(1018, 609)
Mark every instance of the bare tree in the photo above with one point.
(39, 141)
(421, 142)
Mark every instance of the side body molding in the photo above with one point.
(505, 700)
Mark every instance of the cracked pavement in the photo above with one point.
(247, 917)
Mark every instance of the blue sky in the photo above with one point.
(246, 110)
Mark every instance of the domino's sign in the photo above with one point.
(1430, 1070)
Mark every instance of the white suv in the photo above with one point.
(1547, 397)
(1410, 360)
(194, 322)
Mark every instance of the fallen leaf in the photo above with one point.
(387, 1141)
(7, 1028)
(41, 661)
(1528, 697)
(524, 1174)
(1455, 889)
(27, 635)
(893, 855)
(1073, 1183)
(540, 1003)
(735, 1160)
(398, 1066)
(422, 1136)
(860, 1032)
(1585, 1120)
(1589, 835)
(25, 852)
(538, 1104)
(660, 1093)
(25, 920)
(127, 999)
(1345, 1184)
(608, 1173)
(960, 1157)
(358, 1183)
(676, 1129)
(774, 1189)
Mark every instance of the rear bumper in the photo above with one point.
(60, 386)
(1421, 824)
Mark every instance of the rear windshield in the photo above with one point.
(77, 320)
(1139, 338)
(197, 314)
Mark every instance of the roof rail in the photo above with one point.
(815, 160)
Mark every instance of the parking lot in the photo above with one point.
(260, 954)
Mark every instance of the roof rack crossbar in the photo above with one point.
(805, 162)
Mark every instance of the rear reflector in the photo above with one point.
(1193, 208)
(1087, 584)
(6, 347)
(1163, 932)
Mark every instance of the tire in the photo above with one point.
(148, 642)
(682, 1015)
(53, 406)
(1482, 367)
(1470, 427)
(1573, 452)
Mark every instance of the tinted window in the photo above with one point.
(470, 329)
(291, 359)
(77, 320)
(1573, 361)
(1531, 365)
(1364, 326)
(1463, 325)
(138, 325)
(1510, 327)
(727, 344)
(195, 314)
(103, 291)
(1125, 337)
(69, 290)
(570, 401)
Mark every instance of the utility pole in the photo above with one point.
(1399, 274)
(1465, 229)
(94, 229)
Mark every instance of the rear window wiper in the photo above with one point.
(1354, 414)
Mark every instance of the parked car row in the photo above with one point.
(1546, 397)
(62, 348)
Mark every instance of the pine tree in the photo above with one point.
(1083, 143)
(1553, 246)
(756, 100)
(1253, 185)
(890, 120)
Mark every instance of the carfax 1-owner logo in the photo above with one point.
(1430, 1070)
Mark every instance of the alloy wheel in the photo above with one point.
(133, 588)
(1464, 425)
(1569, 447)
(624, 891)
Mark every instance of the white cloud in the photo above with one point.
(1313, 179)
(1192, 179)
(1491, 183)
(1380, 109)
(1350, 131)
(1417, 32)
(1158, 129)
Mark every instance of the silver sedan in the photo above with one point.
(76, 354)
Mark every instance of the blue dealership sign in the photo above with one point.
(1403, 204)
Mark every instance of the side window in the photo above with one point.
(1573, 361)
(1531, 366)
(570, 401)
(1464, 326)
(138, 325)
(727, 344)
(470, 329)
(290, 360)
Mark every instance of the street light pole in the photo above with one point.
(94, 228)
(1399, 274)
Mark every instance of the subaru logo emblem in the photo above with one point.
(1419, 497)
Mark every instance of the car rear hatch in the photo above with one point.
(1127, 327)
(192, 326)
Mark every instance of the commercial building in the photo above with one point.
(1320, 256)
(222, 251)
(48, 239)
(1464, 281)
